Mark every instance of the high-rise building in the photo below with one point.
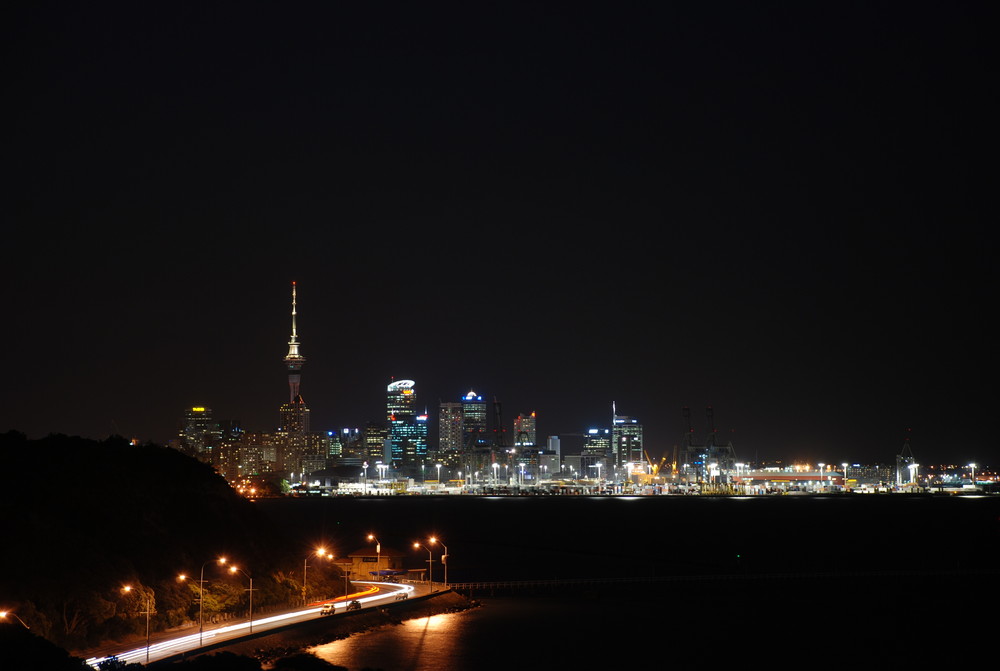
(415, 448)
(198, 432)
(407, 433)
(525, 434)
(626, 442)
(595, 454)
(374, 439)
(597, 442)
(554, 445)
(473, 421)
(449, 429)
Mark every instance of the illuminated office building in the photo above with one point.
(473, 421)
(525, 433)
(626, 442)
(449, 429)
(198, 432)
(407, 428)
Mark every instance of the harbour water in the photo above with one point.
(814, 579)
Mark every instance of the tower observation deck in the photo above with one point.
(294, 360)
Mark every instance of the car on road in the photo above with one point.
(327, 609)
(402, 595)
(354, 605)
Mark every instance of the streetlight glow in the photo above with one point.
(444, 557)
(201, 598)
(430, 563)
(236, 569)
(5, 613)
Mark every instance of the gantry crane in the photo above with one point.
(654, 467)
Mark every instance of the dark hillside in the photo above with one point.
(99, 515)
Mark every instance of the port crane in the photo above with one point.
(654, 467)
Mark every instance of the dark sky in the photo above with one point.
(776, 211)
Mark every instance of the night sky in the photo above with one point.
(775, 211)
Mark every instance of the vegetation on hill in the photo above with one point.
(97, 531)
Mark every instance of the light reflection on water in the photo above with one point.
(415, 645)
(503, 633)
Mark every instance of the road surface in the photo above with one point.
(369, 594)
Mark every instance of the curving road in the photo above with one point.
(371, 594)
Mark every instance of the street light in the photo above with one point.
(378, 551)
(128, 588)
(438, 466)
(5, 613)
(320, 552)
(973, 467)
(201, 598)
(234, 569)
(495, 467)
(444, 558)
(845, 475)
(430, 563)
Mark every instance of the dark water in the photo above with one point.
(818, 580)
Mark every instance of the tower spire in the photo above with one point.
(294, 359)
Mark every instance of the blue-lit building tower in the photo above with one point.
(473, 421)
(407, 427)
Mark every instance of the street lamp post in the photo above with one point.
(378, 551)
(430, 564)
(234, 569)
(320, 552)
(438, 466)
(201, 598)
(5, 613)
(444, 558)
(128, 588)
(973, 467)
(845, 475)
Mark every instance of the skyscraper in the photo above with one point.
(473, 421)
(198, 432)
(407, 429)
(626, 442)
(449, 429)
(524, 430)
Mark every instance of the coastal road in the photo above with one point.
(369, 594)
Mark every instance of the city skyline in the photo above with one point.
(775, 214)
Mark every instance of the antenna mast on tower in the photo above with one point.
(294, 360)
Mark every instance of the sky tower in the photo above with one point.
(294, 414)
(293, 359)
